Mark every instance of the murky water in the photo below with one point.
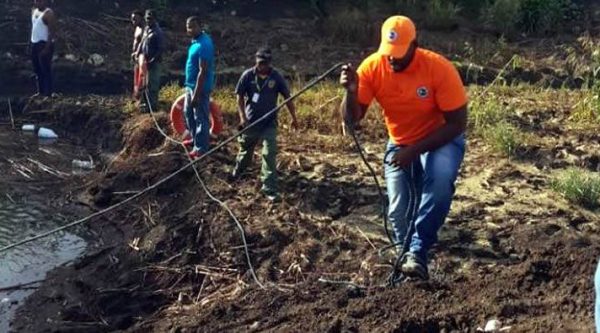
(29, 263)
(22, 217)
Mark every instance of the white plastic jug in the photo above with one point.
(46, 133)
(28, 127)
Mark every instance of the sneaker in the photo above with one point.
(234, 176)
(194, 154)
(414, 267)
(271, 195)
(188, 142)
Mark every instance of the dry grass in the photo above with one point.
(317, 110)
(493, 113)
(587, 110)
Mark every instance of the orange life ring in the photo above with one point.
(178, 120)
(140, 77)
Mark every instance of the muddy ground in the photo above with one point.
(173, 260)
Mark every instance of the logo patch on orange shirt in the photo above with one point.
(423, 92)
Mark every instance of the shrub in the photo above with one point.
(530, 16)
(471, 7)
(544, 16)
(411, 8)
(350, 26)
(503, 15)
(442, 14)
(578, 186)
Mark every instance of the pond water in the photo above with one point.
(24, 164)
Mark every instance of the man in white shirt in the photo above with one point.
(43, 32)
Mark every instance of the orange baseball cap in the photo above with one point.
(397, 33)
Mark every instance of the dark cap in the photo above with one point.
(263, 54)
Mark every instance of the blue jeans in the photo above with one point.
(197, 120)
(433, 175)
(597, 284)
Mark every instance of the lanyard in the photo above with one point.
(259, 88)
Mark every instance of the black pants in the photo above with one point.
(42, 66)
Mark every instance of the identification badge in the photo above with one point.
(255, 97)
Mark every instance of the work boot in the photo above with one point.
(414, 267)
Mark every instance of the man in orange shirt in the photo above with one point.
(425, 109)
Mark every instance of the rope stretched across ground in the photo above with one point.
(175, 173)
(208, 193)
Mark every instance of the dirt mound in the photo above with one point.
(142, 136)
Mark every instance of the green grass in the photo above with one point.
(485, 111)
(504, 138)
(578, 186)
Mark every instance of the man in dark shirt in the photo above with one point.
(257, 92)
(152, 49)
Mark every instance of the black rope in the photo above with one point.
(396, 276)
(413, 204)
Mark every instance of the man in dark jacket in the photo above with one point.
(152, 49)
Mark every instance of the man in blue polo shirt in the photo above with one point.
(199, 83)
(257, 92)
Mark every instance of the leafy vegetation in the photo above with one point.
(442, 14)
(508, 17)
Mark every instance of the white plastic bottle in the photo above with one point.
(46, 133)
(79, 164)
